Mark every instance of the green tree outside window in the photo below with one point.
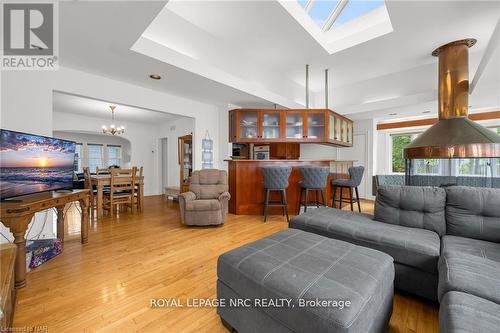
(398, 144)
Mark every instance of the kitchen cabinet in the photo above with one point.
(290, 125)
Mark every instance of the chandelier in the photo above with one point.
(113, 130)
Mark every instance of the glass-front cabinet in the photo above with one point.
(294, 125)
(248, 125)
(315, 126)
(271, 125)
(297, 125)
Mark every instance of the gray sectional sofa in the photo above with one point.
(445, 243)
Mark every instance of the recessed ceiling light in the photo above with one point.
(426, 112)
(393, 114)
(155, 76)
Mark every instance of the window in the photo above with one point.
(94, 156)
(333, 13)
(473, 166)
(399, 141)
(421, 166)
(78, 157)
(114, 155)
(427, 166)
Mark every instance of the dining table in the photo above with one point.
(102, 180)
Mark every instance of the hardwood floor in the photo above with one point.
(107, 284)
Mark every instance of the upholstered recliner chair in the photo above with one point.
(206, 203)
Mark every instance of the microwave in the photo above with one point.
(261, 152)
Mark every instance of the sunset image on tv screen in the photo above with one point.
(31, 163)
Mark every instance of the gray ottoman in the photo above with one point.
(264, 286)
(461, 312)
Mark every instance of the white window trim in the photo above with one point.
(85, 154)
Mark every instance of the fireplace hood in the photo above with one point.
(454, 135)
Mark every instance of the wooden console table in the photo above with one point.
(18, 215)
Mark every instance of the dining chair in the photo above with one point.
(102, 171)
(121, 189)
(137, 195)
(93, 192)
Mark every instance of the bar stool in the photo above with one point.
(356, 174)
(315, 179)
(276, 179)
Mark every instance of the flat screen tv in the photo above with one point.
(32, 163)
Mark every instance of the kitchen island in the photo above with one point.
(247, 190)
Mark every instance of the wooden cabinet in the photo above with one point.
(300, 126)
(185, 151)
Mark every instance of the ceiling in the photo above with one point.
(253, 53)
(83, 106)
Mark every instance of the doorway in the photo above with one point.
(163, 164)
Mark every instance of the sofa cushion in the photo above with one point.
(469, 266)
(208, 183)
(294, 265)
(412, 206)
(203, 205)
(460, 312)
(453, 245)
(414, 247)
(473, 212)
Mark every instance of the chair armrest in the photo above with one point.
(224, 196)
(187, 196)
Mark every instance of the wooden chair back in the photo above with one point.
(122, 180)
(87, 182)
(102, 171)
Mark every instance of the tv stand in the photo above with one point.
(63, 191)
(11, 200)
(18, 214)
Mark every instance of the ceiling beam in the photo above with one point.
(490, 49)
(334, 14)
(431, 121)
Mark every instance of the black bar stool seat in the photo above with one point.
(276, 179)
(356, 174)
(315, 179)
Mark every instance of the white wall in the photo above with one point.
(26, 105)
(313, 151)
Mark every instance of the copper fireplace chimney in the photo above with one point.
(454, 135)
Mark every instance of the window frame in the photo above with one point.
(93, 167)
(80, 160)
(119, 158)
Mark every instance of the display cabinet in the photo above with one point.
(295, 125)
(185, 151)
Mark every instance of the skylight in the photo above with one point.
(339, 24)
(328, 14)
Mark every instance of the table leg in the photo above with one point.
(85, 206)
(18, 227)
(60, 223)
(20, 266)
(141, 196)
(99, 201)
